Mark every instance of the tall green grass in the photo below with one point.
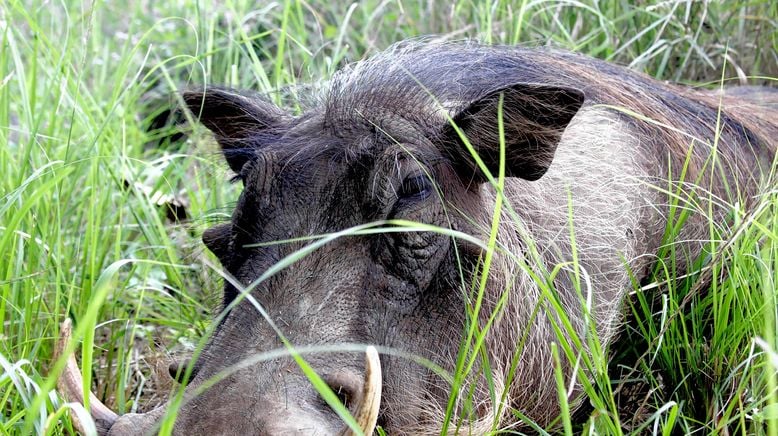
(80, 82)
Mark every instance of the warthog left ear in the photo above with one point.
(241, 123)
(534, 117)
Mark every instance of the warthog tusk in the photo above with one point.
(70, 386)
(367, 411)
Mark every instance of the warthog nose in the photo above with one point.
(361, 393)
(347, 385)
(178, 370)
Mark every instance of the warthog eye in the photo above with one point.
(415, 188)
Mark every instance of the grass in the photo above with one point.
(81, 82)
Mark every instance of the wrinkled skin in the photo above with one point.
(379, 148)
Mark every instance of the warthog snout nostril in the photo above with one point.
(360, 393)
(347, 385)
(177, 370)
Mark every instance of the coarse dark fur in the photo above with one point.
(586, 141)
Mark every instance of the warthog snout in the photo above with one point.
(361, 392)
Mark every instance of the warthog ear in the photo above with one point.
(240, 123)
(534, 117)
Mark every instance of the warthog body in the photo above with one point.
(592, 151)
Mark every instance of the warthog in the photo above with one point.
(591, 151)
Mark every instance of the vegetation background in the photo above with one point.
(89, 167)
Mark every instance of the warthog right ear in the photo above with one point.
(240, 123)
(534, 117)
